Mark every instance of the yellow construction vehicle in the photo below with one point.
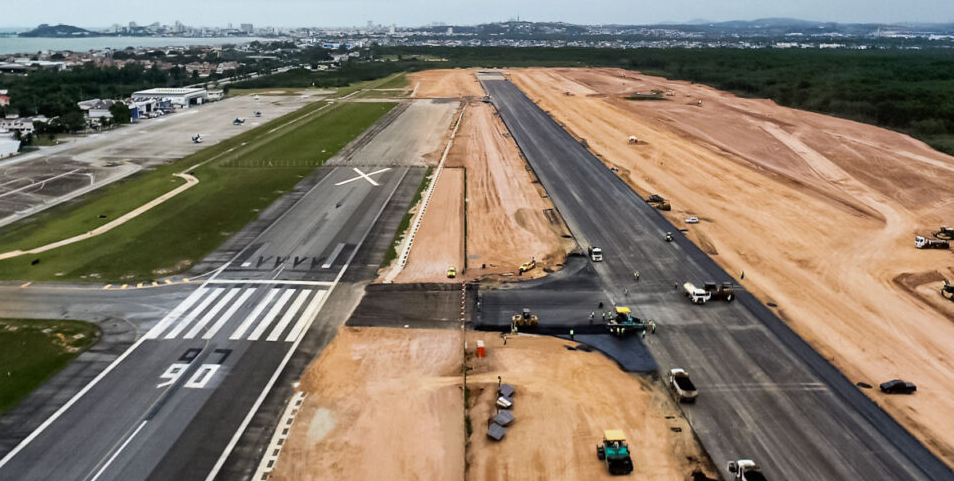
(526, 266)
(524, 319)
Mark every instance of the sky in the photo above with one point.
(327, 13)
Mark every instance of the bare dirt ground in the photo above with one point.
(445, 83)
(381, 404)
(564, 400)
(439, 241)
(388, 404)
(508, 222)
(820, 213)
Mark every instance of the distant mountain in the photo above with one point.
(771, 23)
(45, 30)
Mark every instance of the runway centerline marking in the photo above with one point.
(362, 175)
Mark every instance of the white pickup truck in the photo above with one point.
(746, 470)
(596, 254)
(682, 386)
(695, 294)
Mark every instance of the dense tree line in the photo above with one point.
(907, 90)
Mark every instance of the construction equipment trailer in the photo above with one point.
(722, 291)
(922, 242)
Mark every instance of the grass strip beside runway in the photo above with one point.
(238, 177)
(35, 350)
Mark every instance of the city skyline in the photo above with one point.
(411, 13)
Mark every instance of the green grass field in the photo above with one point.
(234, 187)
(395, 82)
(34, 350)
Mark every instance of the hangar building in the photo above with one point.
(181, 97)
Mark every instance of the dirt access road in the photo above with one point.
(445, 83)
(819, 213)
(388, 404)
(509, 220)
(439, 243)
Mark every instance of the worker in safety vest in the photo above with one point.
(636, 275)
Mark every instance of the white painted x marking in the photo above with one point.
(367, 177)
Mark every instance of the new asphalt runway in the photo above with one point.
(764, 393)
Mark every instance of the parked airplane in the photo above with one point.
(197, 138)
(238, 121)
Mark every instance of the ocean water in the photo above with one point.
(10, 45)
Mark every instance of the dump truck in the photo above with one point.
(682, 386)
(596, 254)
(746, 470)
(615, 452)
(947, 290)
(922, 242)
(623, 323)
(721, 291)
(695, 294)
(524, 319)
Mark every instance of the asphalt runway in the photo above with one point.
(764, 393)
(172, 406)
(418, 130)
(38, 180)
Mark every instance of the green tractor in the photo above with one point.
(615, 452)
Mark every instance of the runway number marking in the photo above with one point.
(202, 376)
(172, 374)
(362, 175)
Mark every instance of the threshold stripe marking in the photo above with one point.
(181, 325)
(211, 314)
(289, 314)
(228, 314)
(306, 317)
(254, 315)
(272, 313)
(175, 313)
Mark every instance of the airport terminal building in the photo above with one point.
(180, 97)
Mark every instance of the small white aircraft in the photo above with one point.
(238, 121)
(256, 96)
(197, 138)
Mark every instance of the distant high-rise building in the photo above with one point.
(179, 27)
(246, 27)
(132, 25)
(450, 30)
(228, 25)
(370, 25)
(391, 30)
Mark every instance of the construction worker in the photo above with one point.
(571, 334)
(592, 316)
(652, 326)
(604, 315)
(636, 275)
